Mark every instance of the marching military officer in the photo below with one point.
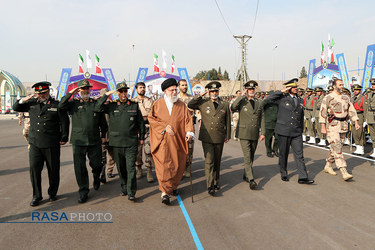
(235, 116)
(289, 127)
(370, 114)
(309, 114)
(251, 119)
(49, 129)
(316, 110)
(145, 104)
(88, 134)
(185, 97)
(270, 118)
(214, 131)
(358, 101)
(335, 110)
(126, 130)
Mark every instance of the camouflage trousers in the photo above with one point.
(26, 129)
(147, 149)
(336, 140)
(189, 158)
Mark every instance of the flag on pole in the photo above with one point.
(322, 57)
(97, 66)
(88, 60)
(80, 61)
(164, 54)
(332, 54)
(173, 65)
(156, 65)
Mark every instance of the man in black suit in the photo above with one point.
(49, 129)
(289, 127)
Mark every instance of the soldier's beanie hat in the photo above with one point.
(168, 83)
(356, 86)
(121, 85)
(318, 89)
(84, 83)
(213, 86)
(372, 80)
(291, 83)
(41, 87)
(250, 85)
(140, 84)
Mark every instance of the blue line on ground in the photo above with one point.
(198, 243)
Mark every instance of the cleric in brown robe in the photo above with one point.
(171, 127)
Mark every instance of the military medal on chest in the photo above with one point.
(208, 110)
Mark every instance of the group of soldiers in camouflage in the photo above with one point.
(276, 117)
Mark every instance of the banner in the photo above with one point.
(369, 67)
(141, 77)
(311, 73)
(343, 71)
(63, 84)
(111, 82)
(184, 75)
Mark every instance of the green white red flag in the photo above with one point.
(173, 65)
(97, 66)
(156, 65)
(80, 61)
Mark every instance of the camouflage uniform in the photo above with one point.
(189, 158)
(145, 107)
(26, 124)
(334, 112)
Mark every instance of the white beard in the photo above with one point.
(172, 99)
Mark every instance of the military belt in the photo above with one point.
(359, 112)
(340, 119)
(309, 109)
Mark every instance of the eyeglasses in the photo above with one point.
(172, 90)
(122, 90)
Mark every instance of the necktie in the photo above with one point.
(295, 101)
(216, 105)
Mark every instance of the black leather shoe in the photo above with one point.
(131, 197)
(165, 200)
(246, 179)
(102, 179)
(175, 192)
(211, 191)
(110, 175)
(285, 178)
(35, 202)
(217, 187)
(276, 154)
(96, 183)
(270, 155)
(52, 198)
(253, 185)
(305, 181)
(124, 193)
(83, 198)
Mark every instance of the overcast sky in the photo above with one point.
(40, 37)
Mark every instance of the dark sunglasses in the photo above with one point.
(122, 90)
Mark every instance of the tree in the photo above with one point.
(303, 73)
(226, 75)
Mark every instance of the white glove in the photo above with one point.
(364, 124)
(304, 118)
(313, 119)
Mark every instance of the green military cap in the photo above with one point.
(356, 86)
(250, 85)
(318, 89)
(122, 85)
(84, 83)
(309, 90)
(291, 83)
(213, 86)
(301, 90)
(330, 88)
(346, 90)
(372, 81)
(41, 87)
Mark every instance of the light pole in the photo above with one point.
(273, 63)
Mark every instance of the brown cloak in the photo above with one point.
(169, 152)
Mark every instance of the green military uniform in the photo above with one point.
(369, 111)
(270, 117)
(88, 127)
(126, 127)
(251, 119)
(215, 129)
(48, 127)
(316, 109)
(359, 104)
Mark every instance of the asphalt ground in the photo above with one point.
(330, 214)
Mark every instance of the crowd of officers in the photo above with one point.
(113, 132)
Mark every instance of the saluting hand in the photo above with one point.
(110, 92)
(204, 93)
(28, 97)
(286, 89)
(74, 91)
(244, 93)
